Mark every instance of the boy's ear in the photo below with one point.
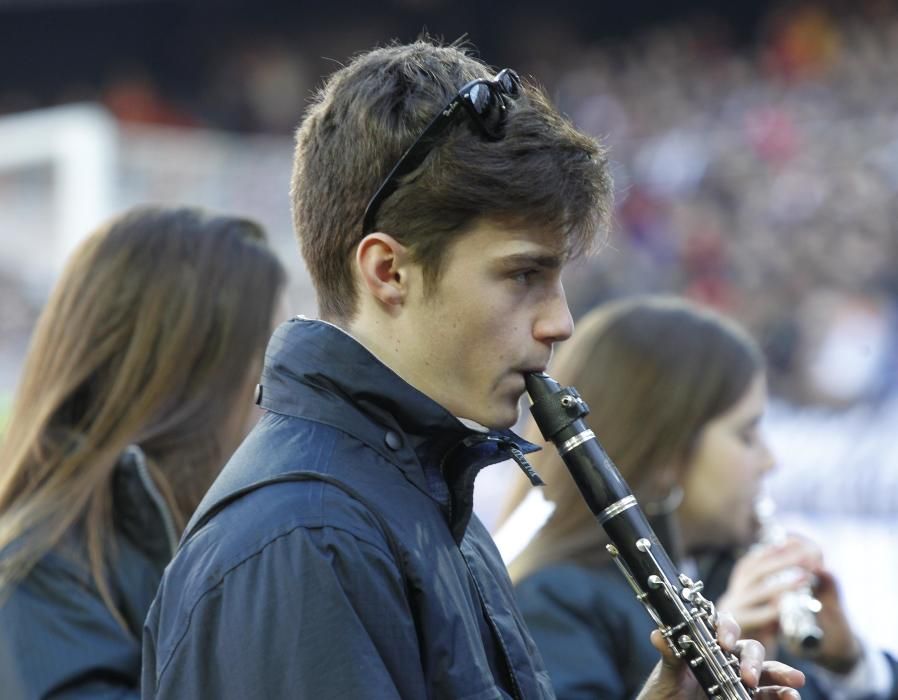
(382, 264)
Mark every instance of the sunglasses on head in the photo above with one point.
(483, 101)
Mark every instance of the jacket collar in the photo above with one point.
(140, 512)
(316, 371)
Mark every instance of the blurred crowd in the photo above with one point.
(762, 182)
(759, 178)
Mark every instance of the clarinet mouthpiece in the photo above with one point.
(540, 385)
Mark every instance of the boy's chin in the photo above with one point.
(500, 419)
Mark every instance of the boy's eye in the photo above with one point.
(749, 436)
(525, 276)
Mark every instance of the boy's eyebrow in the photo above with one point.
(551, 261)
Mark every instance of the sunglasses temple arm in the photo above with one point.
(410, 161)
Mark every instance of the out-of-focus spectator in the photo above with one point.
(136, 389)
(133, 96)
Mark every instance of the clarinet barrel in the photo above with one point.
(686, 619)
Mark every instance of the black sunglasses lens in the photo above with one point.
(481, 98)
(510, 83)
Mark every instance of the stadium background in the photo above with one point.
(755, 151)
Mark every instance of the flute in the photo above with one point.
(798, 608)
(686, 619)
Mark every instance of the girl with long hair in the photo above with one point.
(137, 387)
(676, 394)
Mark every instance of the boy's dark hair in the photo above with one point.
(543, 174)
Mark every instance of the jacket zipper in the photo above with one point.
(143, 471)
(521, 460)
(513, 450)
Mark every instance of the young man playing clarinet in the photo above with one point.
(436, 203)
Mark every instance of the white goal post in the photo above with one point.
(79, 145)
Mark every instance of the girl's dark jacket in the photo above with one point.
(337, 555)
(57, 637)
(594, 634)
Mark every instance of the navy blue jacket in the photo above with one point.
(337, 555)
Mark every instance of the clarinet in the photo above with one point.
(686, 619)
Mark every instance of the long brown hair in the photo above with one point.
(654, 371)
(146, 339)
